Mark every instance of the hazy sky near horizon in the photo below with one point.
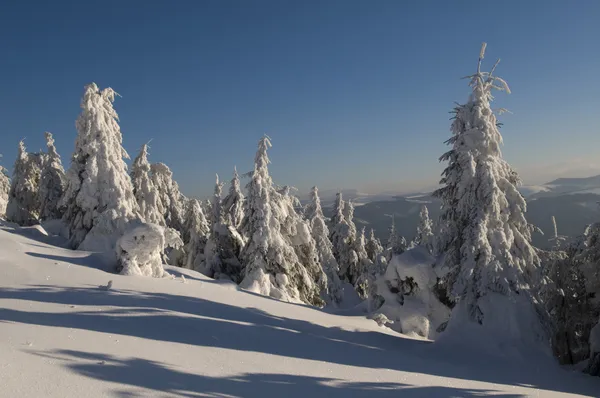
(354, 94)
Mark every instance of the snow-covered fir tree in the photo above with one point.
(144, 190)
(4, 190)
(557, 240)
(171, 202)
(320, 233)
(424, 235)
(212, 251)
(486, 238)
(99, 197)
(23, 205)
(52, 182)
(373, 247)
(271, 265)
(198, 229)
(233, 204)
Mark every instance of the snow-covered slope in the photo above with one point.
(63, 334)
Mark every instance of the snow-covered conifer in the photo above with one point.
(197, 228)
(98, 199)
(23, 205)
(144, 190)
(557, 240)
(342, 236)
(396, 243)
(320, 233)
(486, 238)
(424, 235)
(373, 247)
(171, 202)
(271, 264)
(212, 251)
(52, 183)
(233, 204)
(4, 190)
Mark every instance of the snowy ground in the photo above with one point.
(63, 336)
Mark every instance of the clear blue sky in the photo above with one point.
(354, 94)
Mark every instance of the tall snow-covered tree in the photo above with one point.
(271, 265)
(424, 235)
(52, 182)
(324, 247)
(486, 237)
(373, 247)
(144, 190)
(99, 197)
(212, 251)
(4, 190)
(233, 204)
(23, 205)
(171, 202)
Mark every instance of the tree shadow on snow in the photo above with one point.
(158, 377)
(99, 261)
(202, 322)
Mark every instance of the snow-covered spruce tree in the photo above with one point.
(212, 251)
(373, 247)
(171, 202)
(233, 204)
(320, 233)
(23, 205)
(296, 232)
(144, 190)
(271, 265)
(52, 183)
(486, 238)
(396, 243)
(342, 235)
(4, 190)
(198, 229)
(98, 199)
(557, 240)
(424, 235)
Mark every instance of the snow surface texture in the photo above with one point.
(415, 311)
(64, 333)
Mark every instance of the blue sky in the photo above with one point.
(354, 94)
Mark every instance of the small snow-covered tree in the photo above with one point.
(342, 235)
(271, 264)
(144, 190)
(171, 202)
(424, 235)
(52, 183)
(324, 247)
(373, 247)
(557, 240)
(396, 243)
(233, 204)
(23, 205)
(4, 190)
(98, 199)
(197, 231)
(486, 238)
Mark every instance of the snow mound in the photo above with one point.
(140, 249)
(407, 292)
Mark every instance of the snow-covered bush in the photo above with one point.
(271, 266)
(52, 183)
(146, 194)
(406, 291)
(140, 249)
(99, 194)
(486, 239)
(23, 205)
